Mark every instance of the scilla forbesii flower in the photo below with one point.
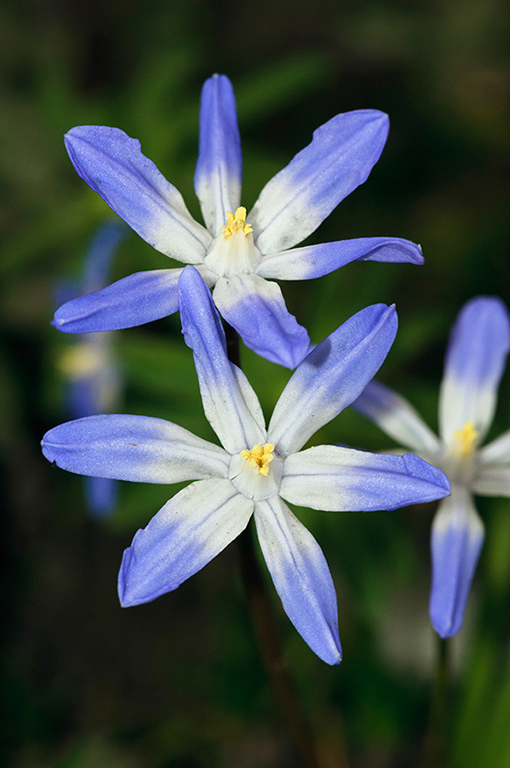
(238, 255)
(475, 359)
(255, 470)
(88, 365)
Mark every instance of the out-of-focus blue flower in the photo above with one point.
(93, 379)
(475, 359)
(256, 469)
(237, 255)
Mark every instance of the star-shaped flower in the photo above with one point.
(88, 365)
(255, 470)
(475, 359)
(237, 255)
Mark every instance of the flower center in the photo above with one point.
(233, 251)
(465, 439)
(260, 457)
(236, 222)
(80, 361)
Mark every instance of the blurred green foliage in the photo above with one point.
(178, 683)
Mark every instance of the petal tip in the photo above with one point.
(444, 624)
(420, 468)
(81, 133)
(412, 253)
(126, 599)
(218, 76)
(292, 355)
(332, 653)
(383, 122)
(63, 323)
(382, 116)
(336, 658)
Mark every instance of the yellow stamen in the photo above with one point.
(465, 438)
(79, 361)
(260, 457)
(236, 223)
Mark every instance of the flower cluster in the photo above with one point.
(232, 263)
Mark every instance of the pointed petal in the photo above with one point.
(113, 165)
(134, 300)
(227, 405)
(256, 309)
(334, 478)
(393, 414)
(219, 165)
(317, 260)
(475, 360)
(339, 158)
(496, 451)
(457, 538)
(101, 494)
(332, 376)
(137, 448)
(301, 577)
(492, 480)
(186, 534)
(100, 255)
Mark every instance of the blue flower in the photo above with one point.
(93, 380)
(256, 469)
(237, 255)
(475, 358)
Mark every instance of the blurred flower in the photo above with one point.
(475, 358)
(93, 381)
(236, 253)
(255, 470)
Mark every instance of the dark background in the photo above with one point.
(178, 683)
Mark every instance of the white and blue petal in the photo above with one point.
(395, 416)
(457, 538)
(137, 448)
(475, 360)
(497, 450)
(301, 577)
(317, 260)
(492, 480)
(232, 409)
(134, 300)
(219, 164)
(334, 478)
(186, 534)
(113, 165)
(256, 309)
(339, 158)
(332, 376)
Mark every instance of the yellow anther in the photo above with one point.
(79, 361)
(236, 223)
(260, 457)
(465, 438)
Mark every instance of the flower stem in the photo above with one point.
(265, 627)
(435, 738)
(270, 649)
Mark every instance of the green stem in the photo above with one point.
(436, 736)
(265, 627)
(270, 649)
